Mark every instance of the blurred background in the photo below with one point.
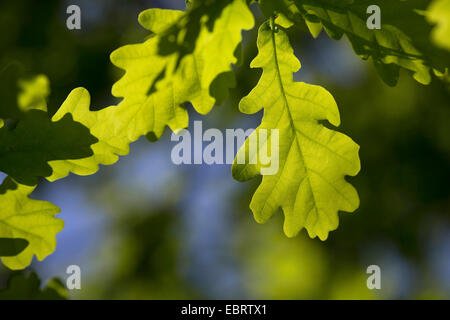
(148, 229)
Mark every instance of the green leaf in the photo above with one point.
(114, 128)
(211, 59)
(402, 41)
(29, 219)
(25, 151)
(159, 78)
(310, 184)
(12, 247)
(217, 26)
(439, 13)
(27, 287)
(34, 93)
(159, 20)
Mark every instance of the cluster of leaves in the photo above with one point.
(402, 42)
(188, 58)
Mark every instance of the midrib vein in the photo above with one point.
(291, 119)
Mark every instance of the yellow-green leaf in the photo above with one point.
(29, 219)
(310, 184)
(115, 127)
(105, 125)
(160, 84)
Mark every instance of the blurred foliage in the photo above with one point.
(39, 42)
(34, 93)
(439, 13)
(145, 251)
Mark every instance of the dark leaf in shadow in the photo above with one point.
(7, 184)
(26, 150)
(12, 247)
(191, 25)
